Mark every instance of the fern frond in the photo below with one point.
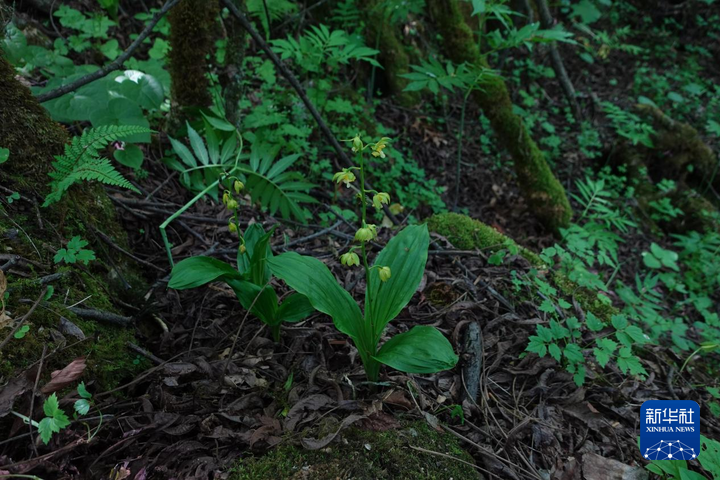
(81, 160)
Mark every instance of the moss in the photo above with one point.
(467, 234)
(192, 25)
(365, 455)
(394, 58)
(587, 299)
(543, 192)
(27, 131)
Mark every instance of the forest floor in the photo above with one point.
(220, 399)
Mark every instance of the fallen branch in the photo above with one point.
(102, 316)
(115, 64)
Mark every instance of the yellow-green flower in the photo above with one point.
(232, 204)
(232, 227)
(242, 249)
(384, 273)
(226, 197)
(357, 144)
(377, 149)
(379, 199)
(238, 186)
(366, 233)
(349, 259)
(346, 176)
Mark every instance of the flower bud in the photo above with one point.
(242, 249)
(364, 234)
(357, 144)
(238, 186)
(349, 259)
(384, 273)
(232, 227)
(226, 197)
(379, 199)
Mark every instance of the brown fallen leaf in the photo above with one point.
(317, 444)
(10, 392)
(596, 467)
(62, 378)
(308, 404)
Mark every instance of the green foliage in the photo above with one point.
(269, 181)
(4, 155)
(629, 125)
(276, 10)
(320, 46)
(82, 161)
(250, 280)
(75, 252)
(54, 421)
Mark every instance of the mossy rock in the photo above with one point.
(468, 234)
(366, 455)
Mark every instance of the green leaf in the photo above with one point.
(593, 323)
(51, 405)
(406, 254)
(183, 152)
(573, 353)
(264, 301)
(421, 350)
(197, 144)
(82, 391)
(295, 307)
(82, 406)
(310, 277)
(537, 345)
(602, 356)
(197, 271)
(131, 156)
(555, 351)
(4, 155)
(547, 306)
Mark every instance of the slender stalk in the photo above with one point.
(460, 147)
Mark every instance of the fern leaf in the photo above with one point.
(81, 160)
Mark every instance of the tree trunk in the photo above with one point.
(192, 25)
(381, 35)
(544, 194)
(28, 131)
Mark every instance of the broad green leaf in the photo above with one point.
(555, 352)
(573, 353)
(4, 155)
(537, 345)
(406, 254)
(310, 277)
(131, 156)
(259, 269)
(251, 236)
(262, 302)
(294, 308)
(421, 350)
(196, 271)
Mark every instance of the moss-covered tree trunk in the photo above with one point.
(382, 35)
(192, 28)
(543, 192)
(31, 235)
(27, 130)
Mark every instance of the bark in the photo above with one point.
(544, 194)
(192, 24)
(383, 36)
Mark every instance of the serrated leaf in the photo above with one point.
(82, 406)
